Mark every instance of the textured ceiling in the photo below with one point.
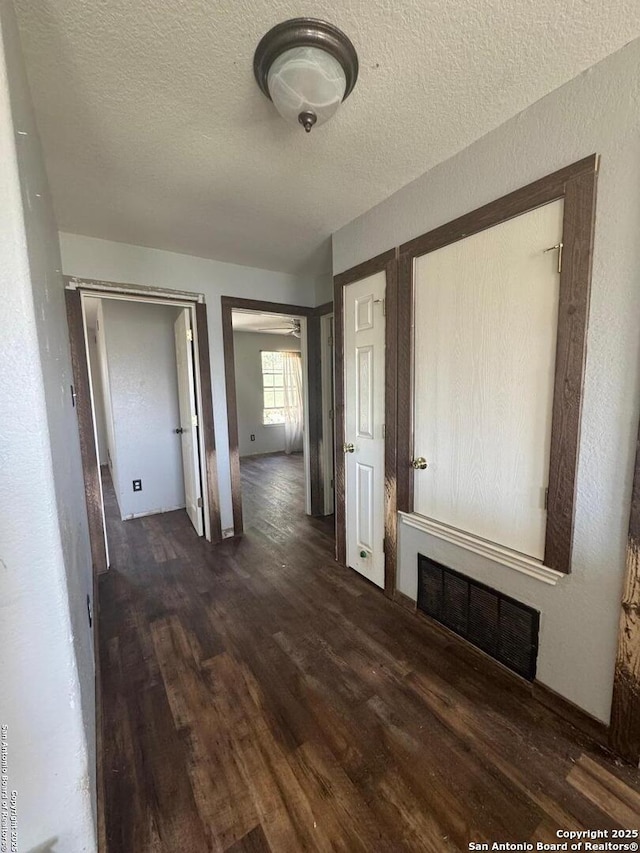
(155, 132)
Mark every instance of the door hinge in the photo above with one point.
(384, 430)
(200, 502)
(546, 498)
(194, 421)
(384, 546)
(330, 340)
(332, 484)
(383, 301)
(330, 414)
(189, 334)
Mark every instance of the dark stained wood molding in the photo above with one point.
(387, 263)
(404, 601)
(338, 425)
(625, 711)
(404, 391)
(390, 435)
(88, 454)
(576, 184)
(540, 192)
(237, 304)
(323, 310)
(571, 348)
(317, 495)
(206, 421)
(363, 270)
(314, 386)
(232, 416)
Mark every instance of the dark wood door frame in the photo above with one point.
(314, 387)
(576, 184)
(624, 729)
(88, 452)
(387, 263)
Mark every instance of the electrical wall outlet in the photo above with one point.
(137, 485)
(253, 438)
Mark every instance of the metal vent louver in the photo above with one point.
(502, 627)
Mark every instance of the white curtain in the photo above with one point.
(293, 414)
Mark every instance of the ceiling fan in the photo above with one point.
(292, 328)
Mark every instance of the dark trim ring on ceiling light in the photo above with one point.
(305, 32)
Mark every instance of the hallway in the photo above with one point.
(272, 491)
(258, 697)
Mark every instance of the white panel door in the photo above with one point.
(364, 366)
(486, 311)
(188, 420)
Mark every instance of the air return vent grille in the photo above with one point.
(500, 626)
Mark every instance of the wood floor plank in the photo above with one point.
(259, 698)
(602, 797)
(253, 842)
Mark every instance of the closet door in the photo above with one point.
(485, 327)
(364, 414)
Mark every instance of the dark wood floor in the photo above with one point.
(272, 491)
(257, 697)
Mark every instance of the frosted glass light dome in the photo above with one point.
(307, 67)
(306, 85)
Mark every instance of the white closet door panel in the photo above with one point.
(486, 313)
(365, 503)
(364, 375)
(364, 391)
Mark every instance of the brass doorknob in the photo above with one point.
(348, 448)
(419, 463)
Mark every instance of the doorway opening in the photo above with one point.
(271, 394)
(142, 381)
(290, 321)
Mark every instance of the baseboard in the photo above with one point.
(563, 708)
(270, 453)
(404, 601)
(152, 512)
(592, 727)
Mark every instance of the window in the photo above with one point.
(272, 388)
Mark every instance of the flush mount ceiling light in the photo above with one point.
(307, 68)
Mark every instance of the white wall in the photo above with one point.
(596, 112)
(247, 347)
(108, 261)
(143, 388)
(98, 397)
(323, 289)
(47, 698)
